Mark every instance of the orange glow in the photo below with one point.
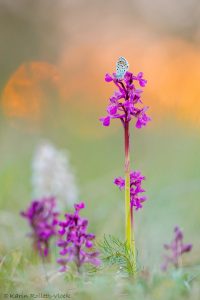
(174, 73)
(25, 91)
(171, 66)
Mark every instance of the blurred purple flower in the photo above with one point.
(140, 79)
(123, 104)
(75, 241)
(136, 179)
(42, 218)
(177, 248)
(142, 118)
(120, 182)
(105, 120)
(108, 78)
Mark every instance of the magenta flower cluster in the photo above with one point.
(176, 248)
(126, 102)
(136, 189)
(75, 242)
(42, 217)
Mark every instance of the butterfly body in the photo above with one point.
(121, 67)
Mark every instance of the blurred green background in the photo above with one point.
(53, 57)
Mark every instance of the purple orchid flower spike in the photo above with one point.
(176, 249)
(42, 218)
(136, 189)
(75, 242)
(126, 102)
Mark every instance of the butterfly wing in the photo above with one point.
(121, 67)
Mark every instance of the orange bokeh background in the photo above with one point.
(58, 53)
(171, 66)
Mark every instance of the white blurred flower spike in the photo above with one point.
(53, 175)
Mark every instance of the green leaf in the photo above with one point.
(115, 252)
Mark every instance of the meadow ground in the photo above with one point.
(167, 154)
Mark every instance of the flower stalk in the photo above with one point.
(127, 184)
(129, 229)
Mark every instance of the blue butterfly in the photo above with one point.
(121, 67)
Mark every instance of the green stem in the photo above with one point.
(129, 230)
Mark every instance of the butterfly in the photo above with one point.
(121, 67)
